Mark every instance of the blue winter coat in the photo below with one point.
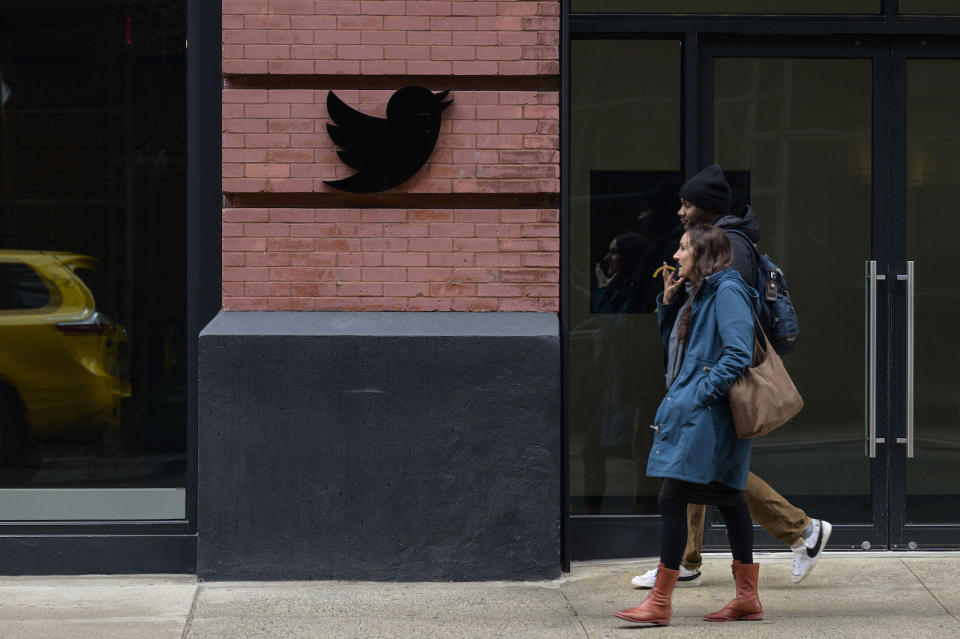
(695, 439)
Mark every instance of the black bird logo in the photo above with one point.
(386, 151)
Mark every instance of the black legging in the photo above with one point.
(673, 539)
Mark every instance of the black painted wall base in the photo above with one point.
(385, 446)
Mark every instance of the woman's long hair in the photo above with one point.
(712, 252)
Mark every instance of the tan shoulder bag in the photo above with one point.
(764, 397)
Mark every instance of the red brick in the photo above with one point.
(473, 67)
(335, 36)
(452, 289)
(336, 67)
(245, 215)
(359, 288)
(517, 8)
(267, 289)
(474, 304)
(405, 259)
(312, 289)
(474, 8)
(360, 51)
(289, 244)
(428, 8)
(315, 23)
(383, 7)
(244, 244)
(476, 274)
(383, 67)
(340, 274)
(429, 274)
(406, 289)
(519, 304)
(500, 259)
(429, 304)
(500, 290)
(360, 23)
(245, 274)
(267, 259)
(500, 53)
(313, 259)
(384, 244)
(383, 37)
(452, 53)
(310, 52)
(231, 230)
(385, 274)
(475, 245)
(430, 37)
(233, 289)
(336, 7)
(266, 230)
(406, 23)
(451, 259)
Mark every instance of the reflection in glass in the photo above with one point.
(92, 259)
(802, 129)
(625, 171)
(736, 7)
(933, 189)
(929, 7)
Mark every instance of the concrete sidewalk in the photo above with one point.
(848, 595)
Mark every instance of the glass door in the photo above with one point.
(925, 512)
(797, 125)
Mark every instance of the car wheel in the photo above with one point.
(14, 439)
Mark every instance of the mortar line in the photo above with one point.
(925, 587)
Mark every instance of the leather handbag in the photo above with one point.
(764, 397)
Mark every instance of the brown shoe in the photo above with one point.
(655, 608)
(746, 605)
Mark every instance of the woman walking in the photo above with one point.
(696, 449)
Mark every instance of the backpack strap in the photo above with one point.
(756, 251)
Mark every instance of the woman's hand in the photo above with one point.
(602, 279)
(670, 284)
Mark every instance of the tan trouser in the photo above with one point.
(776, 515)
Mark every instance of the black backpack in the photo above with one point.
(777, 315)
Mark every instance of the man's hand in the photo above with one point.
(670, 283)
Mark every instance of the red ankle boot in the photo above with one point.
(655, 608)
(746, 605)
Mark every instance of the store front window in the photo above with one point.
(626, 129)
(93, 260)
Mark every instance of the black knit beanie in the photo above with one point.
(709, 190)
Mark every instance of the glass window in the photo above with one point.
(737, 7)
(93, 197)
(21, 288)
(625, 155)
(929, 7)
(933, 186)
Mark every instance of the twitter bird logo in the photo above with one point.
(386, 151)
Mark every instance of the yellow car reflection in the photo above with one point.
(61, 368)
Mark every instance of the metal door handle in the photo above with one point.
(909, 279)
(870, 351)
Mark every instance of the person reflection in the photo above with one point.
(618, 292)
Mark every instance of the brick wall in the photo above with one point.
(494, 243)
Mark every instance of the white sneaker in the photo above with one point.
(687, 579)
(807, 554)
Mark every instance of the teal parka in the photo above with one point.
(695, 438)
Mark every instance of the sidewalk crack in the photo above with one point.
(193, 609)
(932, 594)
(575, 613)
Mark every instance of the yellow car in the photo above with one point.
(61, 368)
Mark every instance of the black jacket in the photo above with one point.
(744, 257)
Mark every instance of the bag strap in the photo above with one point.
(756, 251)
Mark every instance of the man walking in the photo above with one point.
(706, 199)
